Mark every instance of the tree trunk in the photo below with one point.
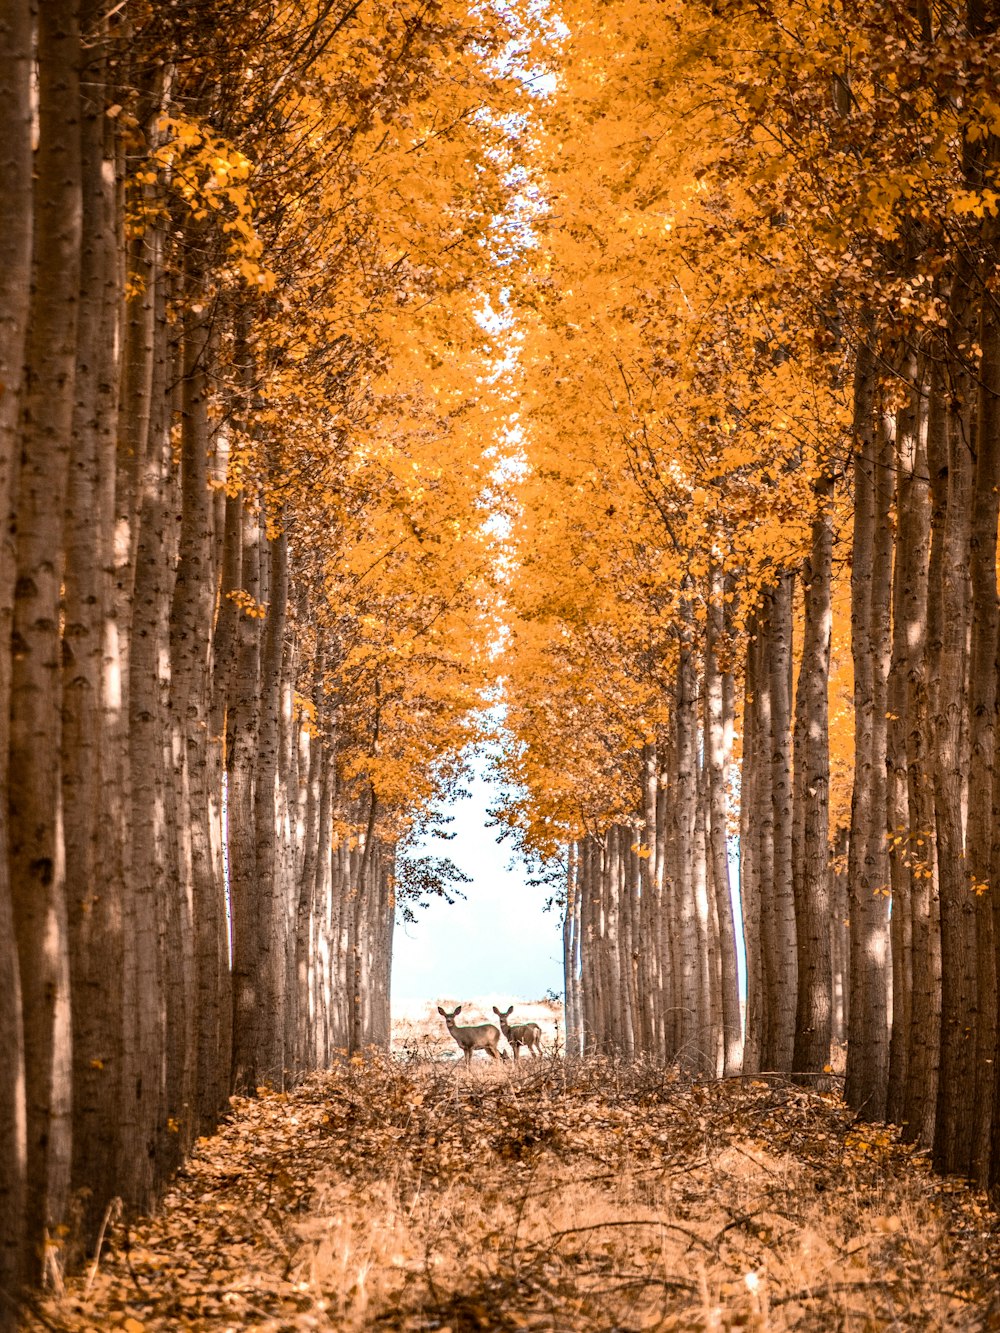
(924, 612)
(868, 1037)
(93, 832)
(37, 864)
(271, 890)
(717, 756)
(782, 992)
(982, 796)
(811, 853)
(752, 810)
(685, 803)
(150, 580)
(241, 749)
(953, 1126)
(16, 214)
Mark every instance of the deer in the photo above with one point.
(482, 1037)
(520, 1034)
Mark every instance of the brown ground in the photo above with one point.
(410, 1194)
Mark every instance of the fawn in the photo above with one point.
(520, 1034)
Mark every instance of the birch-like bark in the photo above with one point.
(811, 855)
(982, 797)
(16, 218)
(150, 581)
(241, 748)
(868, 1037)
(271, 890)
(718, 730)
(903, 430)
(750, 835)
(93, 830)
(924, 617)
(954, 1124)
(685, 803)
(37, 865)
(782, 976)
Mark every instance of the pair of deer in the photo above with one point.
(484, 1037)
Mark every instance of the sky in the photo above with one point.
(498, 941)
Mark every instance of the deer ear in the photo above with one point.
(509, 1011)
(496, 1010)
(442, 1012)
(458, 1010)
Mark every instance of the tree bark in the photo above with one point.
(924, 615)
(982, 797)
(149, 578)
(37, 865)
(868, 1037)
(811, 854)
(953, 1125)
(782, 992)
(718, 730)
(750, 840)
(16, 217)
(93, 831)
(243, 723)
(271, 890)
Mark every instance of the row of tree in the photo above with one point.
(242, 589)
(759, 482)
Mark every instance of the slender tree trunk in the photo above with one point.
(752, 809)
(924, 619)
(811, 854)
(897, 813)
(781, 997)
(717, 761)
(571, 952)
(150, 581)
(37, 864)
(359, 886)
(94, 887)
(763, 812)
(954, 1124)
(241, 750)
(685, 802)
(868, 1036)
(197, 898)
(16, 216)
(709, 999)
(270, 925)
(983, 737)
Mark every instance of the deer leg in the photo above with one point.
(491, 1051)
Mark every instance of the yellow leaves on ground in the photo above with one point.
(590, 1196)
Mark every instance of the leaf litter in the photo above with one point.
(411, 1195)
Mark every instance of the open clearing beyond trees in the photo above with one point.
(563, 1195)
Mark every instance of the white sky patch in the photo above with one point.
(499, 940)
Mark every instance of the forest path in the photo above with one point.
(548, 1195)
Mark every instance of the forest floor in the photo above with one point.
(411, 1194)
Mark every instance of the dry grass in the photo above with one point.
(414, 1195)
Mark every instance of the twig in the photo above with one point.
(831, 1289)
(634, 1222)
(114, 1207)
